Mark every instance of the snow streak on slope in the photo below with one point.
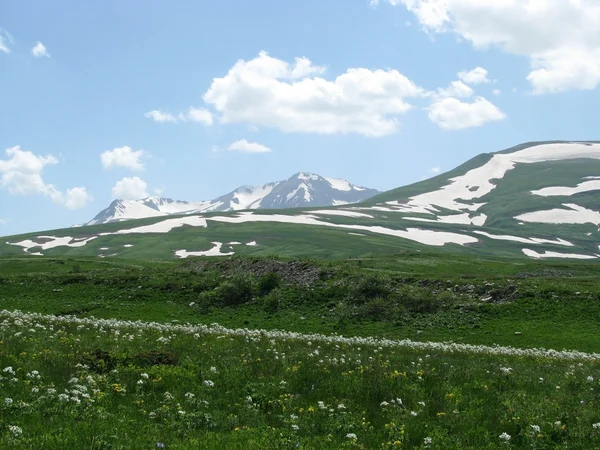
(215, 251)
(575, 215)
(525, 240)
(586, 186)
(536, 255)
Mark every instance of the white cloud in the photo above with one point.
(435, 170)
(3, 221)
(122, 157)
(560, 38)
(5, 39)
(159, 116)
(39, 51)
(244, 146)
(476, 76)
(77, 198)
(453, 114)
(130, 188)
(199, 115)
(21, 174)
(269, 92)
(456, 89)
(497, 92)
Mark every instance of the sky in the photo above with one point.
(189, 100)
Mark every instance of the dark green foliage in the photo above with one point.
(155, 358)
(268, 282)
(235, 291)
(99, 361)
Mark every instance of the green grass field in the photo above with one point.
(104, 384)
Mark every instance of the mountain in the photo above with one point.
(300, 190)
(535, 200)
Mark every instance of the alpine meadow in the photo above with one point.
(427, 277)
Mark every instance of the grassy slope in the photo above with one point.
(423, 296)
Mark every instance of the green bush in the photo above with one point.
(268, 282)
(236, 291)
(270, 302)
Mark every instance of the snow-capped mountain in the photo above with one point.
(300, 190)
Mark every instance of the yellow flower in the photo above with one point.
(441, 414)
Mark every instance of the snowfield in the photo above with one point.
(547, 254)
(574, 215)
(585, 186)
(215, 251)
(525, 240)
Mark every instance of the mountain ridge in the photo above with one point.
(535, 200)
(303, 189)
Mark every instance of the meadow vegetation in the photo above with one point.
(77, 373)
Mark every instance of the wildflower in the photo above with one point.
(295, 427)
(213, 369)
(422, 403)
(384, 403)
(144, 376)
(536, 428)
(596, 425)
(505, 437)
(321, 405)
(8, 401)
(590, 379)
(506, 370)
(35, 390)
(63, 397)
(189, 395)
(15, 430)
(208, 383)
(427, 441)
(140, 382)
(352, 436)
(9, 370)
(413, 413)
(160, 445)
(152, 415)
(341, 406)
(293, 417)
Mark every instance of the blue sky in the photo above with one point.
(370, 99)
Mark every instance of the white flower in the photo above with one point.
(213, 369)
(413, 413)
(341, 406)
(9, 370)
(590, 379)
(558, 423)
(15, 430)
(189, 395)
(536, 428)
(384, 403)
(596, 425)
(293, 417)
(505, 437)
(208, 383)
(35, 390)
(422, 403)
(140, 382)
(295, 427)
(144, 376)
(352, 436)
(427, 441)
(8, 401)
(506, 370)
(321, 405)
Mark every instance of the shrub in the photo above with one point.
(270, 302)
(268, 282)
(236, 291)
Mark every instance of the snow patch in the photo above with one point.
(128, 245)
(525, 240)
(252, 244)
(586, 186)
(339, 202)
(163, 226)
(575, 215)
(341, 212)
(52, 242)
(339, 184)
(463, 219)
(104, 248)
(215, 251)
(357, 234)
(547, 254)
